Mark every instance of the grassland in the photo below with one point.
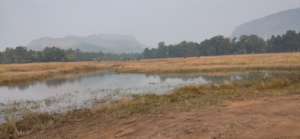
(257, 108)
(11, 74)
(284, 61)
(19, 73)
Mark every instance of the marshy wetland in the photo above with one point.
(106, 98)
(84, 91)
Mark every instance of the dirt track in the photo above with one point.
(275, 117)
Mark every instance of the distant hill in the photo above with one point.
(275, 24)
(93, 43)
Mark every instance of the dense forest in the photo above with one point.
(21, 54)
(219, 45)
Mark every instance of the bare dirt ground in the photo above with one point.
(267, 117)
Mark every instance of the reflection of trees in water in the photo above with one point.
(251, 76)
(184, 77)
(58, 81)
(187, 77)
(72, 79)
(21, 87)
(217, 79)
(163, 77)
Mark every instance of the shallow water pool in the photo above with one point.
(59, 95)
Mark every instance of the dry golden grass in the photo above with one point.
(218, 65)
(20, 73)
(284, 61)
(191, 97)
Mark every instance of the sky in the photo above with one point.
(150, 21)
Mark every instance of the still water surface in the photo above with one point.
(59, 95)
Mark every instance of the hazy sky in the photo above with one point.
(149, 21)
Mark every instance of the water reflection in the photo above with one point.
(57, 81)
(84, 90)
(54, 83)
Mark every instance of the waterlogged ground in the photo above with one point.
(60, 95)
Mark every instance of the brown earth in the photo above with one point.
(266, 117)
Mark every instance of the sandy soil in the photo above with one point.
(272, 117)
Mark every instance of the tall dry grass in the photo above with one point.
(20, 73)
(284, 61)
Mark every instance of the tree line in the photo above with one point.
(21, 54)
(220, 45)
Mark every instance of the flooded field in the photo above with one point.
(60, 95)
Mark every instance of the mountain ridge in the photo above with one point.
(274, 24)
(110, 43)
